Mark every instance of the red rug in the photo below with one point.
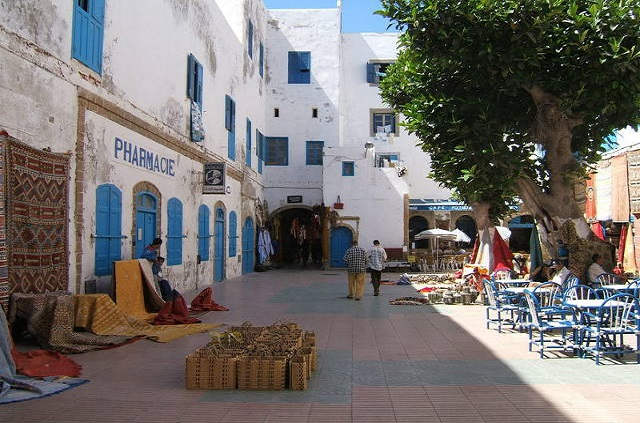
(174, 312)
(204, 302)
(42, 363)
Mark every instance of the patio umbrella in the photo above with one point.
(461, 236)
(535, 256)
(502, 257)
(436, 234)
(505, 233)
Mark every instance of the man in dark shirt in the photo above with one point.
(356, 259)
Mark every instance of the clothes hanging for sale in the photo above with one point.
(603, 191)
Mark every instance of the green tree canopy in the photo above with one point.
(481, 82)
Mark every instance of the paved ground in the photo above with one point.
(377, 363)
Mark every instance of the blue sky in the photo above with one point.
(357, 15)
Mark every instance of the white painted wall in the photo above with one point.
(358, 97)
(317, 31)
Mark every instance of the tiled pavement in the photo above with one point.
(377, 363)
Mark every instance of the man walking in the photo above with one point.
(356, 259)
(377, 257)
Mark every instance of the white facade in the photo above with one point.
(50, 100)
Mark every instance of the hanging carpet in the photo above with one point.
(36, 219)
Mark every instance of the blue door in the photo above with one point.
(218, 257)
(248, 242)
(341, 239)
(146, 204)
(108, 228)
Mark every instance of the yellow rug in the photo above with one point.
(98, 314)
(129, 289)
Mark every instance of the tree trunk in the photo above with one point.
(556, 209)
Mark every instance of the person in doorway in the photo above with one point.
(595, 269)
(152, 250)
(161, 283)
(356, 259)
(377, 256)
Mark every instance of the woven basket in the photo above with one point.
(307, 353)
(308, 339)
(205, 371)
(262, 373)
(298, 373)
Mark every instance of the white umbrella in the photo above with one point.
(436, 234)
(461, 236)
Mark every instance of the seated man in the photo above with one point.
(161, 283)
(595, 269)
(151, 251)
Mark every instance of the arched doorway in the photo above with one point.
(219, 250)
(297, 234)
(248, 242)
(341, 239)
(521, 227)
(467, 225)
(418, 224)
(146, 210)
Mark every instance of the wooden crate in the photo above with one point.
(262, 373)
(298, 373)
(205, 371)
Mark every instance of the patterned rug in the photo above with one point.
(97, 313)
(36, 219)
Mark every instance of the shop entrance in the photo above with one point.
(297, 234)
(145, 221)
(521, 227)
(248, 242)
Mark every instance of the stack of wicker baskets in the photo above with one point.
(247, 357)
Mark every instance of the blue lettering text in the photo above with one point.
(118, 146)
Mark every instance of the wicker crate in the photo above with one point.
(205, 371)
(262, 373)
(308, 339)
(307, 353)
(298, 373)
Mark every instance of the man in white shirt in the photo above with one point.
(377, 257)
(595, 269)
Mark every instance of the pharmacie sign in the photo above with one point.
(143, 158)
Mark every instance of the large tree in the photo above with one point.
(486, 83)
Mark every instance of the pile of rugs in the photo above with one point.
(247, 357)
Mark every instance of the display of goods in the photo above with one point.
(253, 358)
(298, 374)
(205, 370)
(262, 374)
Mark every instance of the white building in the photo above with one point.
(125, 89)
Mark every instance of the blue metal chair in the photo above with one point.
(549, 297)
(500, 303)
(606, 279)
(618, 316)
(580, 292)
(571, 281)
(542, 325)
(634, 287)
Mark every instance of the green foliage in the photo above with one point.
(464, 67)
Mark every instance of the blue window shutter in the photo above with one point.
(314, 152)
(248, 144)
(261, 65)
(87, 34)
(277, 151)
(199, 81)
(294, 67)
(233, 237)
(191, 71)
(203, 233)
(348, 169)
(371, 73)
(231, 135)
(227, 112)
(174, 233)
(250, 39)
(108, 228)
(304, 58)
